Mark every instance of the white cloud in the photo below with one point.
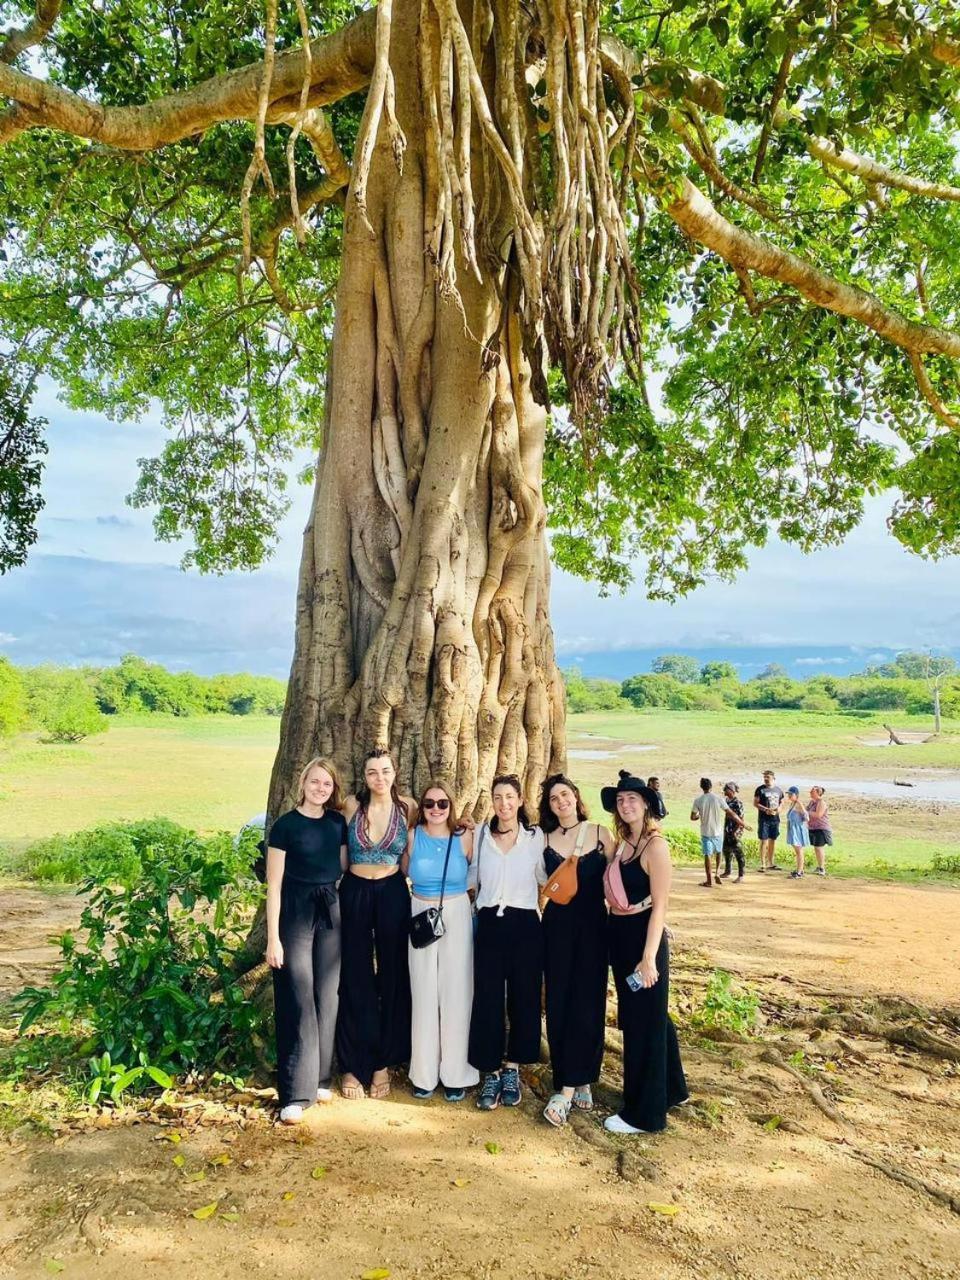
(7, 638)
(822, 662)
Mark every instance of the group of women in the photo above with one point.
(510, 910)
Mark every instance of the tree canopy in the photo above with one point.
(783, 336)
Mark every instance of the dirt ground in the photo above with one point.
(842, 1162)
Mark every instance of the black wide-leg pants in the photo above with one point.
(575, 969)
(653, 1079)
(373, 1028)
(305, 990)
(507, 977)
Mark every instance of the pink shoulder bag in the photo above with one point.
(616, 894)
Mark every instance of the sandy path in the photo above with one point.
(861, 936)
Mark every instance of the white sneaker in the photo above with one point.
(324, 1095)
(292, 1114)
(614, 1124)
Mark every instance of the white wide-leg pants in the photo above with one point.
(441, 983)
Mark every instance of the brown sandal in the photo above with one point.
(353, 1092)
(380, 1089)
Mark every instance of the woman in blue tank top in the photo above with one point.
(441, 974)
(373, 1025)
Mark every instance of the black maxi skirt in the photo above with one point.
(653, 1079)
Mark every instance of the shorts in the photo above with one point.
(819, 838)
(711, 845)
(768, 827)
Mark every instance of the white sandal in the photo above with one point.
(557, 1110)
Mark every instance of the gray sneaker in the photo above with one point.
(489, 1097)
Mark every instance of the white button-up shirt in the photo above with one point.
(511, 879)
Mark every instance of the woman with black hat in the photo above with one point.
(637, 886)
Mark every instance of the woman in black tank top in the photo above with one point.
(653, 1079)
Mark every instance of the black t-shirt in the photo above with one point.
(312, 845)
(769, 797)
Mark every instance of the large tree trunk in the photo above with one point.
(422, 610)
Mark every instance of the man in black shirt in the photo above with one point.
(767, 800)
(660, 809)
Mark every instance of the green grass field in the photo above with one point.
(211, 773)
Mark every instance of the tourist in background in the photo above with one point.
(733, 831)
(767, 800)
(306, 856)
(373, 1029)
(818, 824)
(660, 809)
(441, 974)
(637, 887)
(711, 810)
(575, 945)
(798, 837)
(505, 875)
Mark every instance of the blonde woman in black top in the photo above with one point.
(306, 856)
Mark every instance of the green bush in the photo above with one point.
(948, 863)
(112, 853)
(684, 845)
(75, 717)
(732, 1008)
(148, 979)
(13, 703)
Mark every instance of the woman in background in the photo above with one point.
(798, 836)
(373, 1029)
(818, 824)
(306, 856)
(441, 974)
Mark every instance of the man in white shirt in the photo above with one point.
(710, 811)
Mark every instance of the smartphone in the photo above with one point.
(634, 982)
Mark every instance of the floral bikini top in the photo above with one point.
(388, 851)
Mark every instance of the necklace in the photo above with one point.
(573, 828)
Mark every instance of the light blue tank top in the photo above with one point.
(426, 865)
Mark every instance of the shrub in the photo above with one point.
(112, 853)
(948, 863)
(13, 705)
(818, 702)
(684, 845)
(734, 1008)
(75, 717)
(149, 977)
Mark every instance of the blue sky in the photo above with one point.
(98, 585)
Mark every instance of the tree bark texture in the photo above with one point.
(422, 609)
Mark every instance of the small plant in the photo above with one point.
(732, 1008)
(946, 863)
(113, 1079)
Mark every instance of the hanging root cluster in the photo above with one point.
(521, 96)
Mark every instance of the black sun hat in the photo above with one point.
(627, 782)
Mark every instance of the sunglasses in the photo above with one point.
(442, 805)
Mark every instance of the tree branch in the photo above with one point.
(873, 171)
(35, 32)
(341, 64)
(698, 217)
(930, 394)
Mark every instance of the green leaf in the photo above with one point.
(205, 1211)
(492, 1147)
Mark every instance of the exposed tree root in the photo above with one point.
(813, 1090)
(906, 1179)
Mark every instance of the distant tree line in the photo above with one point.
(677, 682)
(66, 704)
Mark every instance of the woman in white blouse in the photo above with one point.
(505, 878)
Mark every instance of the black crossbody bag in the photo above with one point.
(427, 926)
